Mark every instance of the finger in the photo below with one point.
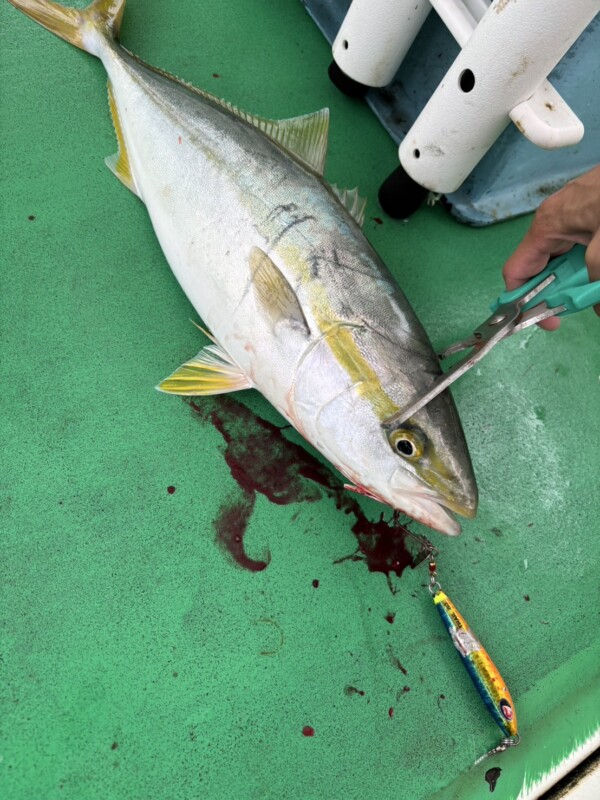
(528, 259)
(532, 255)
(550, 324)
(592, 257)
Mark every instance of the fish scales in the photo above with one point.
(299, 304)
(276, 203)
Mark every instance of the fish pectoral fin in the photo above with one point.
(353, 203)
(273, 290)
(212, 371)
(119, 163)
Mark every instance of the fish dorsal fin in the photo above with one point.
(119, 163)
(304, 137)
(273, 290)
(354, 204)
(212, 371)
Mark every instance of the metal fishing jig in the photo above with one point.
(484, 673)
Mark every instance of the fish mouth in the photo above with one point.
(467, 509)
(431, 510)
(429, 505)
(423, 506)
(456, 491)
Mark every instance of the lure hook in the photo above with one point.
(509, 741)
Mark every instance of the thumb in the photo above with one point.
(592, 262)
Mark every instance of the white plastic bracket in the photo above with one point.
(508, 49)
(546, 119)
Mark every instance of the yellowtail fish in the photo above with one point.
(275, 263)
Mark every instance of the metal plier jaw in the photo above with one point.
(562, 288)
(508, 318)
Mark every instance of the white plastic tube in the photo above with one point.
(458, 19)
(375, 36)
(503, 63)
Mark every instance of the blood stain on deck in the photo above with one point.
(395, 661)
(350, 690)
(263, 461)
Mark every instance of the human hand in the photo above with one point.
(570, 216)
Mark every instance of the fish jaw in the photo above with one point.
(434, 503)
(450, 484)
(421, 506)
(447, 470)
(430, 511)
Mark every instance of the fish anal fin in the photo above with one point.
(273, 290)
(212, 371)
(119, 163)
(354, 204)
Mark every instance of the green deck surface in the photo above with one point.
(138, 661)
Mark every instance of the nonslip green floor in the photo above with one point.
(138, 661)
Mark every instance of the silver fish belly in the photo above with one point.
(274, 261)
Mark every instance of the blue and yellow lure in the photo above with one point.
(484, 673)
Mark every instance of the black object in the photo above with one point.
(492, 776)
(400, 196)
(345, 84)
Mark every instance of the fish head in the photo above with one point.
(433, 475)
(421, 467)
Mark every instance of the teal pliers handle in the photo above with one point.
(570, 288)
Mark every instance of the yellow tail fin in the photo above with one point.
(72, 24)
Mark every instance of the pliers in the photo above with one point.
(562, 288)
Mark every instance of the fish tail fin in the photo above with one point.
(80, 27)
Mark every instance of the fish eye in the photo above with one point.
(406, 443)
(405, 446)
